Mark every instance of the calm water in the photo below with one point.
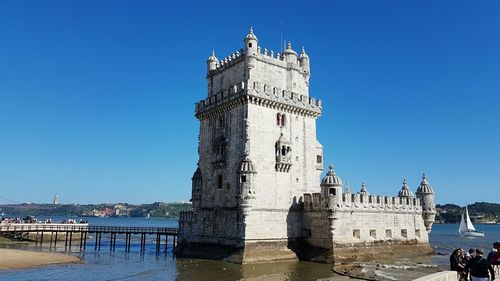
(119, 265)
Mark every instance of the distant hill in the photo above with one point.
(480, 212)
(157, 209)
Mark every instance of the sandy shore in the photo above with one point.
(15, 259)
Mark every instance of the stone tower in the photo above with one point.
(258, 155)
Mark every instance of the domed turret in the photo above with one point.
(405, 191)
(426, 196)
(212, 62)
(304, 62)
(289, 54)
(246, 166)
(331, 179)
(251, 43)
(331, 184)
(363, 190)
(196, 184)
(424, 186)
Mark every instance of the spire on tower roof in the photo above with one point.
(250, 34)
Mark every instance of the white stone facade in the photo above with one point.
(258, 176)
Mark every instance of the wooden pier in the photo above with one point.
(81, 232)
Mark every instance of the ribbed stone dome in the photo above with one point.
(405, 191)
(331, 179)
(424, 186)
(246, 166)
(363, 189)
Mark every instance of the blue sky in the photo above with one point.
(97, 97)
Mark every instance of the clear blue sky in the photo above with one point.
(97, 97)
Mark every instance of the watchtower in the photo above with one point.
(258, 151)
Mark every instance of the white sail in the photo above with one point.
(463, 226)
(470, 226)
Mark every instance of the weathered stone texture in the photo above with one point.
(257, 194)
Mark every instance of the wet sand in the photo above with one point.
(16, 259)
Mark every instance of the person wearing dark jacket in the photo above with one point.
(456, 263)
(480, 268)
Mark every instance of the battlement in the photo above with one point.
(261, 93)
(185, 216)
(266, 55)
(361, 202)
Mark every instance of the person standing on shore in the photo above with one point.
(457, 263)
(480, 268)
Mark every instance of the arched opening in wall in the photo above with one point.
(219, 181)
(278, 119)
(283, 151)
(283, 120)
(332, 191)
(249, 45)
(243, 178)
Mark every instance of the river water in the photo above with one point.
(121, 265)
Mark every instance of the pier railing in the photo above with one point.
(82, 231)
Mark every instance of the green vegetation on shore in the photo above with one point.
(480, 212)
(157, 209)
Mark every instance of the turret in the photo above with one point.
(289, 55)
(426, 196)
(246, 195)
(304, 62)
(363, 190)
(331, 185)
(251, 43)
(212, 62)
(405, 192)
(196, 183)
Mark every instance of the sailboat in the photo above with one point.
(467, 229)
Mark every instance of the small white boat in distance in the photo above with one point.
(467, 229)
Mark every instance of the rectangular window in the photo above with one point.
(388, 233)
(417, 233)
(319, 159)
(356, 233)
(373, 233)
(219, 181)
(404, 233)
(243, 178)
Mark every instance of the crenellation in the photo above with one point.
(258, 175)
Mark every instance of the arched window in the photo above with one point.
(283, 150)
(283, 120)
(278, 119)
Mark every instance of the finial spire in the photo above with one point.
(424, 176)
(251, 30)
(213, 53)
(330, 167)
(303, 50)
(289, 45)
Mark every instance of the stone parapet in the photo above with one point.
(361, 202)
(257, 93)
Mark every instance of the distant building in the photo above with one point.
(55, 201)
(257, 193)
